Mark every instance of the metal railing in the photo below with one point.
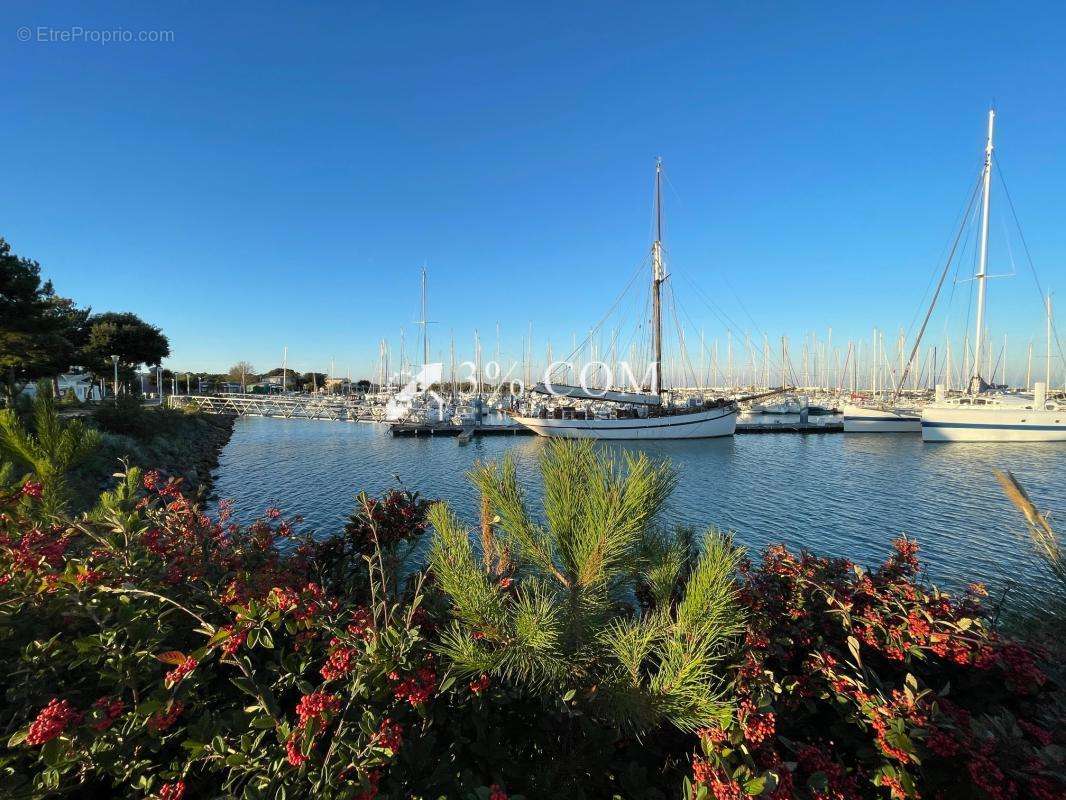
(338, 409)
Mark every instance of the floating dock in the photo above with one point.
(408, 429)
(790, 427)
(415, 429)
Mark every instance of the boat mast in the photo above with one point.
(424, 322)
(657, 277)
(975, 383)
(1047, 368)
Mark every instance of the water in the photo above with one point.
(846, 495)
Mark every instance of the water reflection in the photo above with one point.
(843, 495)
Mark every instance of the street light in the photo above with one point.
(114, 360)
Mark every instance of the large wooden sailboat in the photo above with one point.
(982, 415)
(635, 415)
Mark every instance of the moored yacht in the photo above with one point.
(982, 415)
(998, 417)
(881, 417)
(636, 415)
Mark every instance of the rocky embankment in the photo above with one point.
(204, 452)
(177, 444)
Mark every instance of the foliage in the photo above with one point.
(162, 652)
(242, 371)
(558, 617)
(50, 449)
(38, 329)
(1045, 539)
(859, 684)
(126, 335)
(390, 527)
(125, 415)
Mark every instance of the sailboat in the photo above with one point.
(982, 415)
(414, 402)
(881, 417)
(636, 415)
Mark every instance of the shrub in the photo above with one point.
(859, 684)
(160, 652)
(124, 415)
(50, 447)
(560, 618)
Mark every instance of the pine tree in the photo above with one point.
(591, 602)
(50, 450)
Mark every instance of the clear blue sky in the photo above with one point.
(277, 174)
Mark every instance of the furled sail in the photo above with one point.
(608, 395)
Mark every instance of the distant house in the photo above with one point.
(338, 386)
(82, 385)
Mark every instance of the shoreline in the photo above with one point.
(186, 446)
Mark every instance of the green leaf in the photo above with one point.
(755, 786)
(853, 646)
(18, 738)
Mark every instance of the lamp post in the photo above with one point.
(114, 360)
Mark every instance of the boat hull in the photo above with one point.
(870, 419)
(968, 424)
(705, 424)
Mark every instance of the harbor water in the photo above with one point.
(842, 495)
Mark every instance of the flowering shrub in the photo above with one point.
(160, 653)
(858, 684)
(164, 653)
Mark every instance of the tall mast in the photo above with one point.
(981, 267)
(424, 322)
(657, 277)
(1047, 369)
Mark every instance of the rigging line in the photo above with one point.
(960, 220)
(936, 294)
(955, 279)
(681, 344)
(743, 308)
(675, 303)
(715, 309)
(643, 346)
(773, 358)
(611, 310)
(1025, 246)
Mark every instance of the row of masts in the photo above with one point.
(860, 366)
(877, 364)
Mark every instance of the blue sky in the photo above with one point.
(278, 173)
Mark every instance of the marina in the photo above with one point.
(590, 401)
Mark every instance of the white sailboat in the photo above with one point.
(981, 415)
(636, 415)
(881, 417)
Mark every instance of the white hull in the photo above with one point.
(706, 424)
(871, 419)
(992, 424)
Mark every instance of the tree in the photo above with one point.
(38, 329)
(126, 335)
(315, 380)
(548, 606)
(50, 450)
(242, 371)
